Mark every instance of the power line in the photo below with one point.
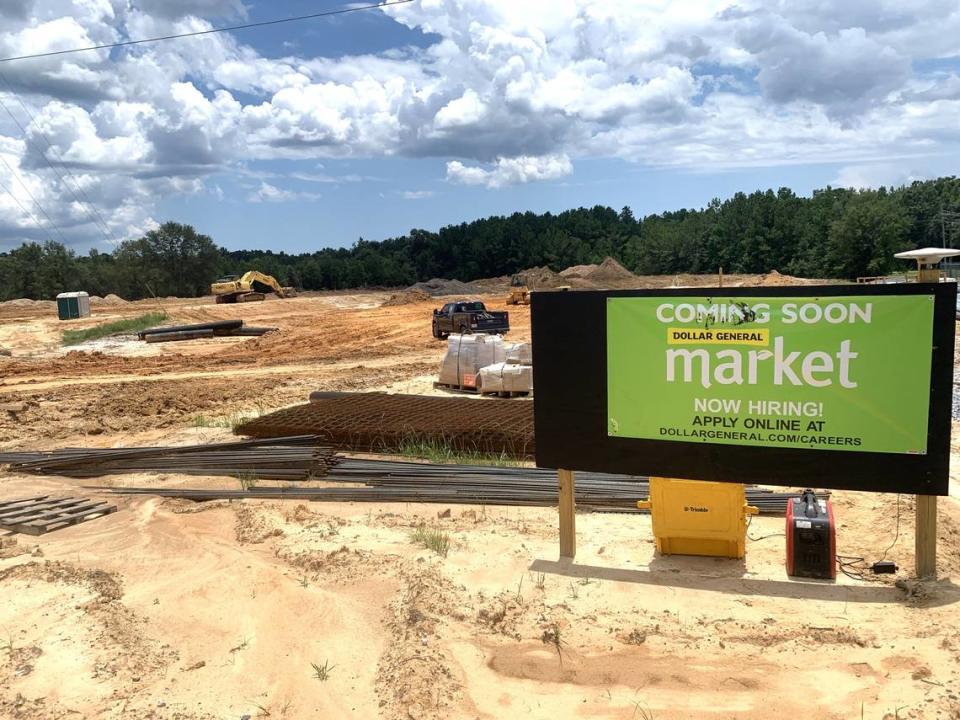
(35, 201)
(98, 221)
(328, 13)
(25, 211)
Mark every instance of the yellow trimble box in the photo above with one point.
(692, 517)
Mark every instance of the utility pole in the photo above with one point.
(943, 228)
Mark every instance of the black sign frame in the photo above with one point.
(569, 331)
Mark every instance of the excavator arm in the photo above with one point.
(261, 283)
(252, 285)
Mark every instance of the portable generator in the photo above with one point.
(811, 538)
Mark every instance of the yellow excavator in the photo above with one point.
(249, 287)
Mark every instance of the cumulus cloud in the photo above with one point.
(417, 194)
(508, 171)
(272, 194)
(506, 92)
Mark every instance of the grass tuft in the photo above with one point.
(438, 451)
(322, 672)
(435, 540)
(135, 324)
(247, 479)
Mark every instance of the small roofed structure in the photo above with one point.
(73, 305)
(927, 260)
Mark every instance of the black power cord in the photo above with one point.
(762, 537)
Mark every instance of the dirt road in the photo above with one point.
(268, 609)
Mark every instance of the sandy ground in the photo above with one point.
(171, 610)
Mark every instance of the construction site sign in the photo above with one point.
(831, 373)
(840, 386)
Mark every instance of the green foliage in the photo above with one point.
(130, 325)
(437, 451)
(836, 232)
(172, 260)
(432, 539)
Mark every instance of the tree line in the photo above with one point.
(834, 233)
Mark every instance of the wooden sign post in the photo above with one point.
(568, 519)
(925, 532)
(926, 537)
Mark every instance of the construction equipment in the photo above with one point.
(519, 292)
(252, 285)
(811, 538)
(691, 517)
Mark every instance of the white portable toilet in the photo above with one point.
(72, 305)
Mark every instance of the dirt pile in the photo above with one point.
(28, 304)
(536, 278)
(608, 273)
(407, 297)
(439, 286)
(775, 279)
(110, 299)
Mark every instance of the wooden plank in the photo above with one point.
(926, 536)
(65, 520)
(16, 513)
(50, 514)
(568, 522)
(10, 504)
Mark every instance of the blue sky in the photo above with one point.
(313, 134)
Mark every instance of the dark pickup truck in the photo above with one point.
(468, 317)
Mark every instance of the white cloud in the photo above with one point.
(508, 171)
(516, 91)
(874, 175)
(467, 109)
(272, 194)
(417, 194)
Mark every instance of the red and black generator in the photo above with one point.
(811, 538)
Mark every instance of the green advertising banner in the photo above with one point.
(845, 373)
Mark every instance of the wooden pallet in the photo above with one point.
(456, 388)
(506, 393)
(474, 391)
(42, 514)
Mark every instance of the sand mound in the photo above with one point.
(607, 271)
(407, 297)
(610, 269)
(28, 303)
(112, 299)
(439, 286)
(536, 278)
(775, 279)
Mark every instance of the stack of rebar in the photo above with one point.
(217, 328)
(601, 496)
(302, 458)
(293, 458)
(378, 422)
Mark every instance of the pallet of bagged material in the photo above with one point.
(42, 514)
(505, 379)
(472, 388)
